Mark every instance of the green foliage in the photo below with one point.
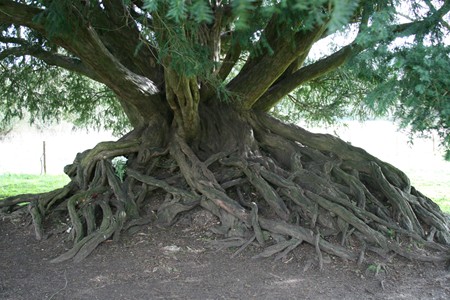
(31, 88)
(375, 269)
(242, 10)
(183, 43)
(246, 11)
(391, 233)
(326, 100)
(46, 94)
(179, 41)
(177, 10)
(201, 12)
(181, 11)
(410, 83)
(378, 31)
(56, 18)
(150, 5)
(120, 166)
(395, 77)
(341, 13)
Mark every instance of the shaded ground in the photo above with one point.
(179, 263)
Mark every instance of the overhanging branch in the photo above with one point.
(280, 89)
(115, 23)
(429, 22)
(230, 61)
(253, 82)
(305, 74)
(140, 96)
(20, 14)
(12, 40)
(50, 58)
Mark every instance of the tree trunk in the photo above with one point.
(267, 181)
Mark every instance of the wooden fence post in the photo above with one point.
(44, 157)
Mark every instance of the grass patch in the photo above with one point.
(438, 192)
(433, 183)
(444, 204)
(16, 184)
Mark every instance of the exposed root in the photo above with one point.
(255, 224)
(304, 234)
(319, 253)
(86, 245)
(281, 249)
(37, 220)
(242, 248)
(85, 163)
(177, 199)
(285, 188)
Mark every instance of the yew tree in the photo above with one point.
(198, 83)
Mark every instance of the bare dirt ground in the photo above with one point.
(180, 263)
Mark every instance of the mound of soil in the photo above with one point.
(180, 262)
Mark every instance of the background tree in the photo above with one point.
(195, 81)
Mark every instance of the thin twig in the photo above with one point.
(62, 289)
(361, 254)
(244, 246)
(319, 253)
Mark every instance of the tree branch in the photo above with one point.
(229, 61)
(433, 10)
(305, 74)
(140, 97)
(88, 45)
(50, 58)
(128, 85)
(275, 93)
(20, 14)
(12, 40)
(122, 26)
(429, 22)
(252, 83)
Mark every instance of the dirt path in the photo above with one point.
(178, 263)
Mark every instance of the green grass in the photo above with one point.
(433, 183)
(436, 189)
(16, 184)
